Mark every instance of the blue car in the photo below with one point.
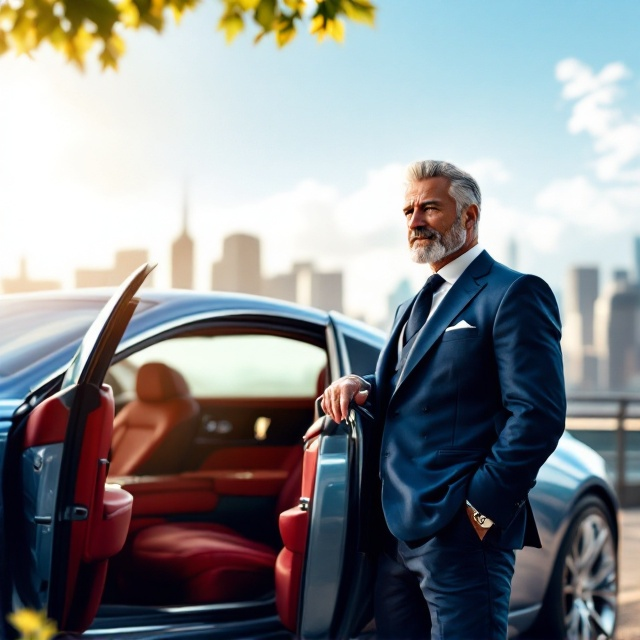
(167, 472)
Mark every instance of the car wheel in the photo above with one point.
(580, 603)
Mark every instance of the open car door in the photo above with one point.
(324, 573)
(64, 522)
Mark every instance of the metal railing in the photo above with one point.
(610, 423)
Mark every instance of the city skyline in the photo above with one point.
(304, 147)
(601, 322)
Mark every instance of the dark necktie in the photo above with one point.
(422, 306)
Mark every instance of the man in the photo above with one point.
(469, 393)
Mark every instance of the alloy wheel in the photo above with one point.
(590, 579)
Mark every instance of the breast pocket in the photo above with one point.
(460, 334)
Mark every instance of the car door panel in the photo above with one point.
(72, 522)
(294, 530)
(325, 561)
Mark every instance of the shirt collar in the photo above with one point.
(454, 269)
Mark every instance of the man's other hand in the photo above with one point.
(338, 395)
(478, 529)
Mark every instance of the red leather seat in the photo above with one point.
(197, 563)
(152, 433)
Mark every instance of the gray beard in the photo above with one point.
(441, 246)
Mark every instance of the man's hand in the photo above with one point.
(478, 529)
(338, 395)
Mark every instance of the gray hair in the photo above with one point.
(464, 189)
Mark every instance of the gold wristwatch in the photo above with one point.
(483, 521)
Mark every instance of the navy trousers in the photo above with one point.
(452, 586)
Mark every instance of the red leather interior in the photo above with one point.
(196, 563)
(102, 535)
(47, 423)
(256, 457)
(294, 529)
(109, 529)
(169, 495)
(152, 433)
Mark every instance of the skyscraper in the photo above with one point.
(239, 268)
(616, 335)
(182, 254)
(578, 334)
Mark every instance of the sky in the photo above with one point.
(305, 147)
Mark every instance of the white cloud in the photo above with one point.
(578, 201)
(616, 135)
(487, 170)
(605, 203)
(360, 233)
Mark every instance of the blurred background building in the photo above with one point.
(601, 333)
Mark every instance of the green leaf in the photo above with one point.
(265, 14)
(103, 13)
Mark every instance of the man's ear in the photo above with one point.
(471, 216)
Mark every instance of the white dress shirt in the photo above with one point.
(450, 272)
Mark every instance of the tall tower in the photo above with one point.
(581, 291)
(182, 254)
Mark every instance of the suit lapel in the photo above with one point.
(389, 356)
(467, 287)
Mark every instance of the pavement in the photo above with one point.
(629, 578)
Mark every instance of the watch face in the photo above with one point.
(483, 521)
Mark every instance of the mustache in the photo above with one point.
(424, 233)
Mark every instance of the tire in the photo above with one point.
(581, 599)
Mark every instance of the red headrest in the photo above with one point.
(156, 383)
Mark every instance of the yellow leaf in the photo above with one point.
(285, 36)
(83, 41)
(32, 624)
(317, 25)
(335, 28)
(179, 8)
(295, 5)
(156, 8)
(232, 24)
(58, 37)
(77, 46)
(4, 45)
(248, 5)
(24, 35)
(129, 14)
(7, 17)
(360, 11)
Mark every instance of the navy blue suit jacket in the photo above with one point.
(476, 410)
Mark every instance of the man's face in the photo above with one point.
(434, 231)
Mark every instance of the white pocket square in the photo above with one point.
(463, 324)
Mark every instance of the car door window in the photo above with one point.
(255, 393)
(233, 366)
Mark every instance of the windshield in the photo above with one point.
(31, 329)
